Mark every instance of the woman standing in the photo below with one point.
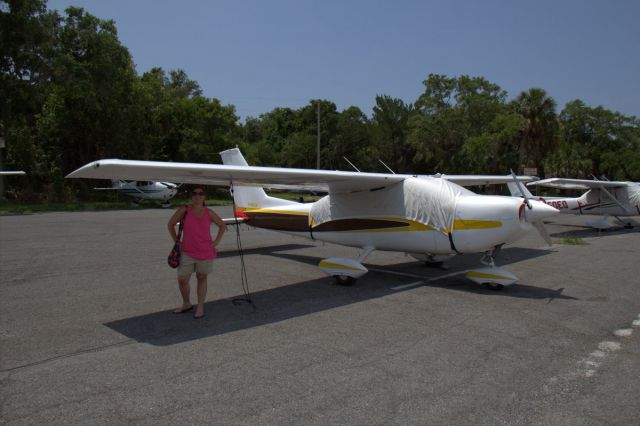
(198, 249)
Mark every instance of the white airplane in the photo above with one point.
(604, 198)
(145, 190)
(371, 211)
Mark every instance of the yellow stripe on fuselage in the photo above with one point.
(463, 225)
(260, 210)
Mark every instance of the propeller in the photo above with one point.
(522, 191)
(543, 232)
(168, 185)
(535, 215)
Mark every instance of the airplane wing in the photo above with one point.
(12, 173)
(472, 180)
(563, 183)
(224, 175)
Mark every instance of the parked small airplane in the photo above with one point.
(604, 198)
(370, 211)
(144, 190)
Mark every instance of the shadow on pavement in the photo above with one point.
(587, 232)
(304, 298)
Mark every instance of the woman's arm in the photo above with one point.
(220, 224)
(173, 221)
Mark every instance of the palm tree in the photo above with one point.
(539, 134)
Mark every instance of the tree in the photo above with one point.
(265, 137)
(454, 112)
(495, 151)
(300, 147)
(351, 141)
(597, 142)
(539, 136)
(389, 132)
(27, 43)
(87, 113)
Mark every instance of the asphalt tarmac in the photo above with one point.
(87, 335)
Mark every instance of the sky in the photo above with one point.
(259, 55)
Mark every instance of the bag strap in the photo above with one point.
(181, 225)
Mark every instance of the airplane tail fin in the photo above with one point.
(249, 196)
(515, 191)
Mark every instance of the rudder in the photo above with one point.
(248, 196)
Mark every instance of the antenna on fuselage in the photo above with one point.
(351, 164)
(388, 168)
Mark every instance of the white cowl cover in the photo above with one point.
(427, 200)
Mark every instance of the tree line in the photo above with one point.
(70, 94)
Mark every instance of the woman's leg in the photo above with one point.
(185, 290)
(202, 293)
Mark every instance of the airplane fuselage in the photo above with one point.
(474, 224)
(154, 191)
(594, 202)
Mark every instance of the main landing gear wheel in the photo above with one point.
(493, 286)
(344, 280)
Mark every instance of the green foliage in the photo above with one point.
(456, 120)
(539, 136)
(597, 142)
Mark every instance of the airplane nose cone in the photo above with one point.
(539, 211)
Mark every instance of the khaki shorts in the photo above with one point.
(189, 265)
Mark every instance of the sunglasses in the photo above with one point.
(197, 193)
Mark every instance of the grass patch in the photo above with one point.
(571, 241)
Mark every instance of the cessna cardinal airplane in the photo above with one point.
(603, 198)
(425, 215)
(143, 190)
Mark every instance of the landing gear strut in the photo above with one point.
(492, 276)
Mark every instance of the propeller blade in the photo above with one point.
(543, 232)
(523, 192)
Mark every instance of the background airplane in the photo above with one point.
(604, 198)
(370, 211)
(145, 190)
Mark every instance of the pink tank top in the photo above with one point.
(196, 236)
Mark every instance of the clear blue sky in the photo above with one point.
(258, 55)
